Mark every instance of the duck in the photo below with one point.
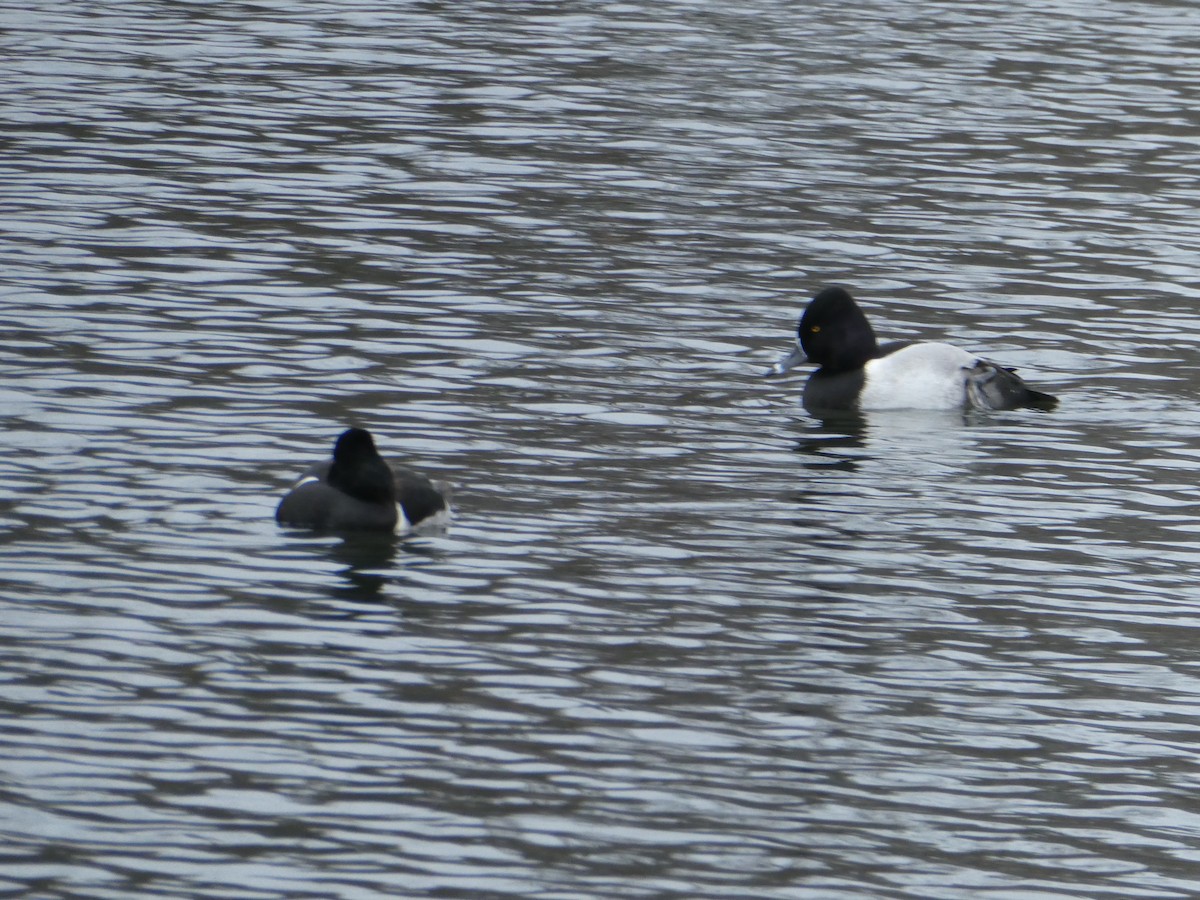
(357, 490)
(856, 372)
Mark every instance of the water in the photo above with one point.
(682, 639)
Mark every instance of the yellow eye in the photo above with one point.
(815, 329)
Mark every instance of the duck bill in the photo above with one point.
(794, 358)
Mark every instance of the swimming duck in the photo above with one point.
(856, 372)
(358, 491)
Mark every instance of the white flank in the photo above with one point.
(920, 376)
(439, 519)
(402, 523)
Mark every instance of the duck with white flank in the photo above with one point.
(358, 491)
(856, 372)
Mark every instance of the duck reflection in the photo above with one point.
(908, 437)
(368, 559)
(832, 442)
(374, 562)
(872, 474)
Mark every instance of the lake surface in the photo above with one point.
(681, 640)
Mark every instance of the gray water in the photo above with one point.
(681, 640)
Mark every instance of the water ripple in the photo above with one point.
(680, 640)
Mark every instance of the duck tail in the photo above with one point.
(990, 386)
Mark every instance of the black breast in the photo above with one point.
(827, 392)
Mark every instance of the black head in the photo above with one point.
(834, 332)
(359, 470)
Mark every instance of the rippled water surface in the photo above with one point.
(682, 640)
